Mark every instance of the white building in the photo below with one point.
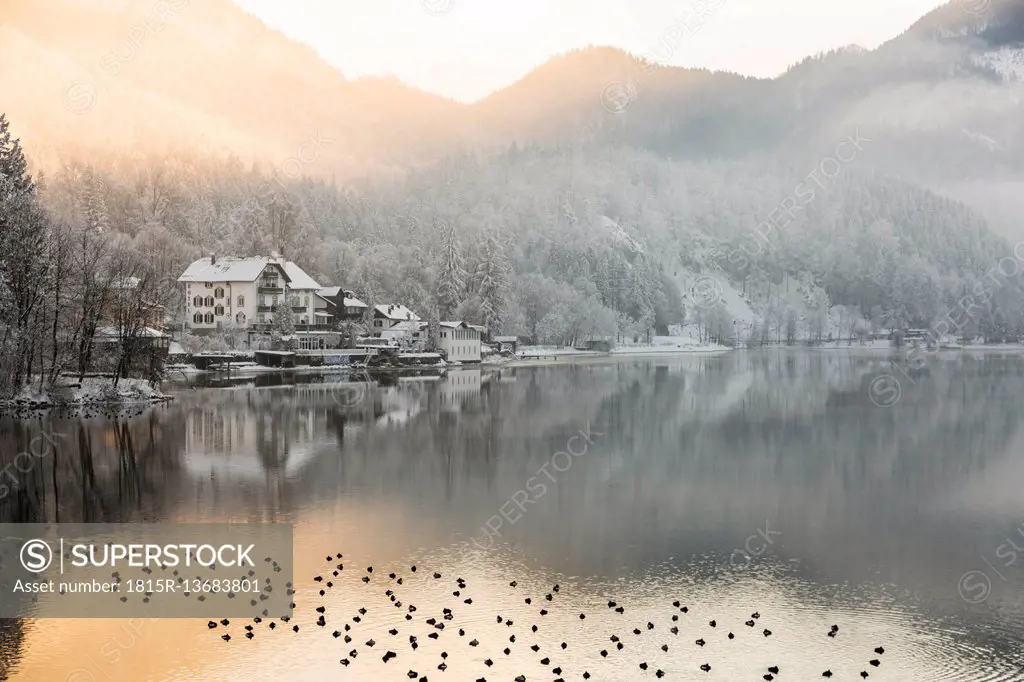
(387, 315)
(246, 292)
(411, 334)
(460, 341)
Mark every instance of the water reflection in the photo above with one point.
(876, 512)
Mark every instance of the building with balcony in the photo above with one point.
(246, 293)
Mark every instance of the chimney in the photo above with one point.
(280, 250)
(213, 259)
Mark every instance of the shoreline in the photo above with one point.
(134, 398)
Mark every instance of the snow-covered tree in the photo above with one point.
(451, 280)
(492, 276)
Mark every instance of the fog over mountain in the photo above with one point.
(594, 191)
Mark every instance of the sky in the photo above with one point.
(466, 49)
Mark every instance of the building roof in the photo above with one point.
(232, 269)
(225, 269)
(395, 311)
(455, 324)
(406, 326)
(299, 278)
(506, 339)
(142, 332)
(350, 301)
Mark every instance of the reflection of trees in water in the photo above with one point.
(12, 635)
(97, 471)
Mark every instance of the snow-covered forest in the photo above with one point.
(556, 220)
(556, 244)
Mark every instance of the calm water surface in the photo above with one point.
(733, 483)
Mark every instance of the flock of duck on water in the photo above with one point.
(438, 627)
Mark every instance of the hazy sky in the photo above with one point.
(468, 48)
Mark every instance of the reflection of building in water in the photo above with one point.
(398, 405)
(238, 438)
(458, 386)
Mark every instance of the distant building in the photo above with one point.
(386, 316)
(247, 293)
(335, 304)
(460, 341)
(409, 334)
(506, 344)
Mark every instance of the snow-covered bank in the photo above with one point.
(91, 391)
(668, 344)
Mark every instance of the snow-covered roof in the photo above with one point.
(226, 269)
(348, 300)
(505, 339)
(232, 269)
(406, 326)
(455, 324)
(143, 332)
(395, 311)
(299, 278)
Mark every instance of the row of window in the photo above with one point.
(209, 302)
(219, 292)
(460, 334)
(208, 318)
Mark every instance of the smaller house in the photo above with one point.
(387, 315)
(335, 304)
(506, 344)
(407, 334)
(460, 341)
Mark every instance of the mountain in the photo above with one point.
(601, 186)
(135, 77)
(945, 96)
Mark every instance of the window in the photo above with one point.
(208, 318)
(263, 299)
(378, 323)
(305, 301)
(197, 301)
(209, 301)
(241, 301)
(197, 318)
(240, 318)
(219, 292)
(219, 310)
(209, 285)
(274, 300)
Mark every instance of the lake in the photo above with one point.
(805, 486)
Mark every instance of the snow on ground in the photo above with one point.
(91, 391)
(668, 344)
